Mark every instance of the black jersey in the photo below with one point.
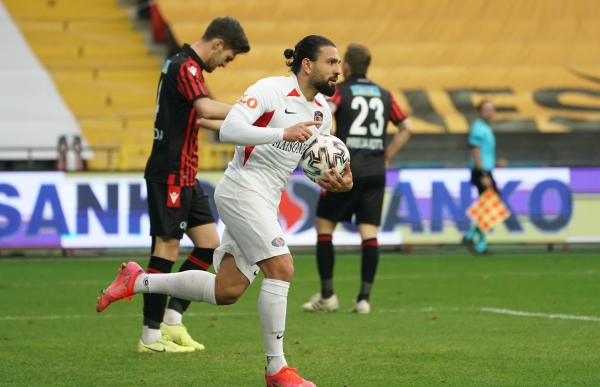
(174, 157)
(363, 111)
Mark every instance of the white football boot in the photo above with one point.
(362, 307)
(320, 304)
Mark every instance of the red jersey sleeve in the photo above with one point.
(190, 82)
(397, 115)
(336, 98)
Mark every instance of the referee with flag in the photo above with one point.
(482, 160)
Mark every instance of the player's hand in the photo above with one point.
(501, 163)
(300, 131)
(486, 181)
(336, 182)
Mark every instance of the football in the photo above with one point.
(323, 154)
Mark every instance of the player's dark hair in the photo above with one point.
(358, 58)
(308, 47)
(232, 33)
(483, 102)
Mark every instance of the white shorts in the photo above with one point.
(252, 231)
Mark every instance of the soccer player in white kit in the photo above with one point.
(271, 125)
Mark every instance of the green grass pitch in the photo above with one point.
(446, 320)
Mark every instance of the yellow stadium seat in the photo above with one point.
(91, 49)
(214, 156)
(103, 70)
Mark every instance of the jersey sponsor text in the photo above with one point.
(295, 147)
(364, 143)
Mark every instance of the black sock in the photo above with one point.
(325, 261)
(154, 304)
(199, 259)
(370, 259)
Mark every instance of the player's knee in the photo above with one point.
(229, 295)
(287, 272)
(284, 271)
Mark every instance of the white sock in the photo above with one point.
(150, 335)
(193, 285)
(272, 305)
(172, 317)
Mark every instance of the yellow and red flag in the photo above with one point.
(488, 210)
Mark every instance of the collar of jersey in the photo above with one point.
(190, 52)
(297, 86)
(357, 77)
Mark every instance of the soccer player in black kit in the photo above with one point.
(176, 202)
(362, 110)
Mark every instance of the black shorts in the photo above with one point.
(174, 209)
(365, 199)
(476, 181)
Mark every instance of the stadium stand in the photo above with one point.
(33, 116)
(537, 60)
(102, 68)
(439, 58)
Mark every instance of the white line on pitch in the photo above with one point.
(545, 315)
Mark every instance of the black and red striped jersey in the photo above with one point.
(174, 157)
(362, 115)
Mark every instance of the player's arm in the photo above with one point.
(190, 84)
(210, 124)
(405, 130)
(258, 103)
(211, 109)
(238, 130)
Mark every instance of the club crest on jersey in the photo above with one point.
(318, 116)
(278, 242)
(193, 70)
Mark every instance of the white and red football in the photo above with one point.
(323, 154)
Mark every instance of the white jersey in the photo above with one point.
(262, 161)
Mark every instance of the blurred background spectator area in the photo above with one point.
(538, 60)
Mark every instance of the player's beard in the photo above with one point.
(210, 67)
(213, 61)
(323, 86)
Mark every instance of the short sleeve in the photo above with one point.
(397, 115)
(190, 82)
(476, 135)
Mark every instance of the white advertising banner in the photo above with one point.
(426, 206)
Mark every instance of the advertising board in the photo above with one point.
(421, 206)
